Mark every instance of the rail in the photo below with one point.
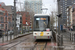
(3, 38)
(72, 36)
(58, 38)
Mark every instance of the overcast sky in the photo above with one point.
(50, 4)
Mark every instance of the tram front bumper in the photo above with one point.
(42, 37)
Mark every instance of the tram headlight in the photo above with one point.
(35, 33)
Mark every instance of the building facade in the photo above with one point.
(6, 17)
(18, 19)
(34, 5)
(10, 10)
(71, 17)
(5, 20)
(26, 22)
(63, 4)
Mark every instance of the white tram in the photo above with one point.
(41, 27)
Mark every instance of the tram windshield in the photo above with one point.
(41, 23)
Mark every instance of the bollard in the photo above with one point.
(3, 39)
(7, 36)
(10, 35)
(61, 40)
(74, 37)
(70, 36)
(57, 40)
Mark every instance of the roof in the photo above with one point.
(2, 9)
(2, 4)
(9, 8)
(41, 15)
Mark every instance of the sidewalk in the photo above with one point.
(67, 43)
(66, 39)
(6, 42)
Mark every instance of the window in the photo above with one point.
(65, 4)
(1, 19)
(61, 6)
(9, 14)
(41, 23)
(12, 8)
(2, 26)
(18, 20)
(26, 18)
(9, 19)
(1, 13)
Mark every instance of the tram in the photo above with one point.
(41, 27)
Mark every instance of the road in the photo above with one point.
(28, 43)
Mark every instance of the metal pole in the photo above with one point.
(58, 21)
(58, 18)
(15, 17)
(2, 37)
(6, 24)
(52, 18)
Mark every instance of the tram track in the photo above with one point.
(17, 44)
(28, 44)
(41, 45)
(13, 41)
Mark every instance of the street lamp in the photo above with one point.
(44, 9)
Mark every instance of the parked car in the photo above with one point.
(9, 33)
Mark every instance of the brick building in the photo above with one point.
(6, 12)
(26, 20)
(5, 19)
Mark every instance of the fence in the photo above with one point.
(72, 36)
(9, 37)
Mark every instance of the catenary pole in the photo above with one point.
(15, 17)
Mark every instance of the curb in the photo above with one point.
(22, 35)
(15, 39)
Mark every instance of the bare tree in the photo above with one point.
(31, 12)
(52, 21)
